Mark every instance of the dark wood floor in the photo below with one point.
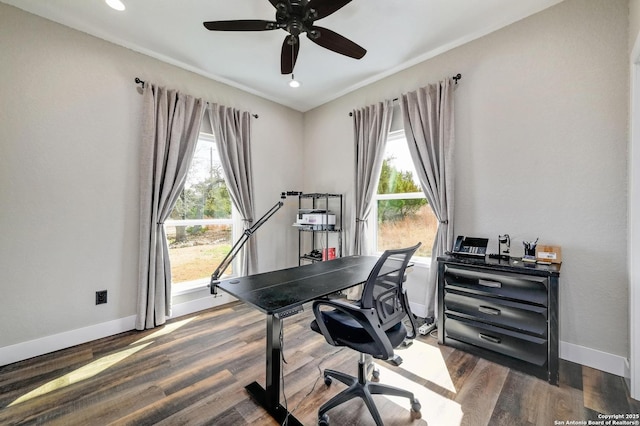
(194, 369)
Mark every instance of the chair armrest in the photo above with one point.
(366, 317)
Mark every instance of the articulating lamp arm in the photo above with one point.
(215, 277)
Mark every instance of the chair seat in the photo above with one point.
(348, 332)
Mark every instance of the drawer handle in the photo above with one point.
(489, 283)
(489, 338)
(488, 310)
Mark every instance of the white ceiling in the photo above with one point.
(396, 33)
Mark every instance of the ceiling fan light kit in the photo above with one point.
(294, 83)
(297, 17)
(115, 4)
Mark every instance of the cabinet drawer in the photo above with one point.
(513, 286)
(504, 313)
(521, 346)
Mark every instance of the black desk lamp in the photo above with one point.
(215, 277)
(506, 241)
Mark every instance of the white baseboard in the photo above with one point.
(45, 345)
(200, 304)
(604, 361)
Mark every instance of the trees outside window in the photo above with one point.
(403, 216)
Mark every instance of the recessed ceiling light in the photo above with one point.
(115, 4)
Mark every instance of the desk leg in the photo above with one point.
(269, 398)
(274, 355)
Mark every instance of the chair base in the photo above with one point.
(362, 388)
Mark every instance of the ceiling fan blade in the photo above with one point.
(289, 54)
(241, 25)
(326, 7)
(335, 42)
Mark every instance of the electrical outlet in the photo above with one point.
(101, 297)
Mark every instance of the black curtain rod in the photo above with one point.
(141, 82)
(455, 78)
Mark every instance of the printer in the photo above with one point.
(316, 220)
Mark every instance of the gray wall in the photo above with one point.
(541, 129)
(634, 21)
(69, 154)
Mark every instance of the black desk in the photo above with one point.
(280, 294)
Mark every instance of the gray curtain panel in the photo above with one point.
(428, 116)
(370, 128)
(232, 129)
(171, 124)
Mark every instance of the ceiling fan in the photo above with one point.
(297, 17)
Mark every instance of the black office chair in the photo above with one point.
(371, 326)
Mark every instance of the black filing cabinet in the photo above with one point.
(503, 310)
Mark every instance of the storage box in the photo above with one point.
(552, 254)
(329, 253)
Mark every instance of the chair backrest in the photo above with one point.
(384, 290)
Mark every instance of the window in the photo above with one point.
(200, 227)
(402, 214)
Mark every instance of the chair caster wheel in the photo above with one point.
(375, 376)
(327, 381)
(415, 415)
(415, 409)
(324, 420)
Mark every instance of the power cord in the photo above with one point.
(284, 395)
(284, 423)
(317, 378)
(283, 361)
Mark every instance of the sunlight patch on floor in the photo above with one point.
(436, 409)
(426, 361)
(98, 366)
(166, 329)
(90, 370)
